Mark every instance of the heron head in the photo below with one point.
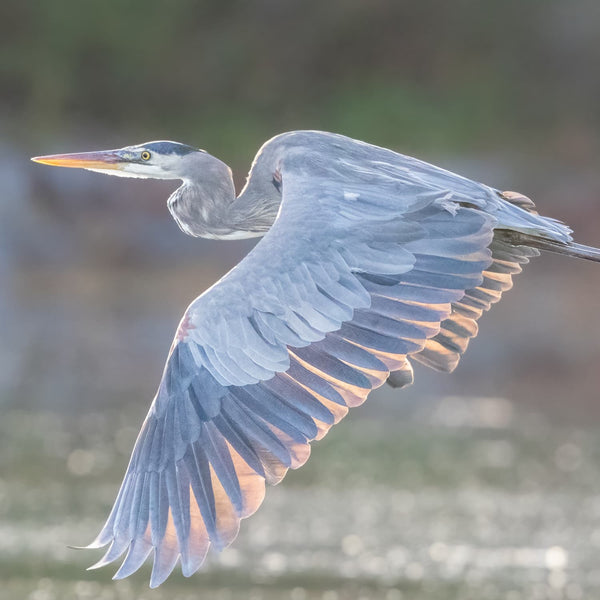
(153, 160)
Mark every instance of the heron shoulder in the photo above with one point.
(303, 145)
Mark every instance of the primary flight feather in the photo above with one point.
(370, 260)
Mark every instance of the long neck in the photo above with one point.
(206, 205)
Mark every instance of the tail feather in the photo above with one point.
(555, 246)
(570, 249)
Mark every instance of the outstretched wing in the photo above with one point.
(360, 268)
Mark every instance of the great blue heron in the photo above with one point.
(370, 260)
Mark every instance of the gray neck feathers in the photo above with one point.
(206, 204)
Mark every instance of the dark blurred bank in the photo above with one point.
(95, 276)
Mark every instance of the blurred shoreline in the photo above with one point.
(97, 276)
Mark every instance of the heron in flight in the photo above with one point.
(370, 261)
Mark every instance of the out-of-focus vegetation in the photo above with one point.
(428, 74)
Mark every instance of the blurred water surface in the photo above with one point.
(461, 498)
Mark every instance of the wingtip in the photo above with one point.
(165, 559)
(91, 546)
(96, 565)
(136, 556)
(158, 577)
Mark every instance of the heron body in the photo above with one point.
(370, 261)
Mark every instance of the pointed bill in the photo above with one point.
(107, 159)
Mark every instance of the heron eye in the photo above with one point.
(145, 155)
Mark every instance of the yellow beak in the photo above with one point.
(107, 159)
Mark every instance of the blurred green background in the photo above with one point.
(483, 484)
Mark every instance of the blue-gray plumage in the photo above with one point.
(370, 260)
